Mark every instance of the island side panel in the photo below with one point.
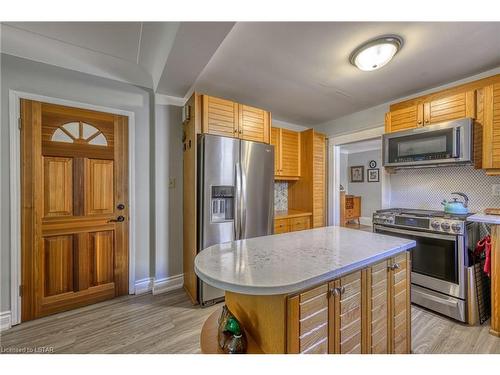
(262, 317)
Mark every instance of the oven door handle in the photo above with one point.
(448, 237)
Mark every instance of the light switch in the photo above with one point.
(171, 183)
(495, 190)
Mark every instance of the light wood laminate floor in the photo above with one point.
(168, 323)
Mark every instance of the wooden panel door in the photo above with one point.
(254, 124)
(491, 128)
(345, 315)
(400, 309)
(220, 116)
(404, 118)
(450, 108)
(74, 186)
(319, 180)
(377, 323)
(307, 330)
(290, 154)
(276, 142)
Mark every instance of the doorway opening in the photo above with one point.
(360, 191)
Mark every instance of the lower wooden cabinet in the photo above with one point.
(292, 224)
(367, 311)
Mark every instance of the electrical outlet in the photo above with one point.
(495, 190)
(171, 183)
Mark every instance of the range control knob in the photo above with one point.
(445, 225)
(456, 227)
(436, 224)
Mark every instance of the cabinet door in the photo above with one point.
(220, 116)
(307, 322)
(281, 226)
(276, 142)
(319, 180)
(404, 118)
(290, 153)
(253, 124)
(491, 128)
(400, 310)
(345, 315)
(450, 108)
(377, 309)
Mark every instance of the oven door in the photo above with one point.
(437, 262)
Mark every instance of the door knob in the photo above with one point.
(119, 219)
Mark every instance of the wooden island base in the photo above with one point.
(366, 311)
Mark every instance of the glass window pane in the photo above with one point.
(73, 128)
(88, 131)
(60, 136)
(100, 140)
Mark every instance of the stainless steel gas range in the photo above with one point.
(440, 259)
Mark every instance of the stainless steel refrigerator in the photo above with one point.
(235, 195)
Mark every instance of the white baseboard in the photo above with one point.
(144, 285)
(149, 284)
(168, 283)
(5, 320)
(365, 221)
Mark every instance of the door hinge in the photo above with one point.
(20, 123)
(20, 290)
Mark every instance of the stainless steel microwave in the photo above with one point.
(440, 144)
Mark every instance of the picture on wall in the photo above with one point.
(358, 173)
(373, 175)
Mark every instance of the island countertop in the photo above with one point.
(290, 262)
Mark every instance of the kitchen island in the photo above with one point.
(324, 290)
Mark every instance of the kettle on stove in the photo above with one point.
(455, 206)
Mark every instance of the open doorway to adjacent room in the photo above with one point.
(360, 182)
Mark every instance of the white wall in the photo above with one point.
(168, 202)
(38, 78)
(370, 192)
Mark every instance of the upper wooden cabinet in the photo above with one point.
(286, 153)
(229, 119)
(430, 110)
(491, 128)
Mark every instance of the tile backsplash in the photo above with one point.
(280, 196)
(426, 188)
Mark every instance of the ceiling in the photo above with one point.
(298, 71)
(301, 72)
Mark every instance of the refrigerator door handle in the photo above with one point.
(237, 205)
(243, 203)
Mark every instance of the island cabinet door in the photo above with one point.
(400, 309)
(345, 315)
(377, 308)
(307, 322)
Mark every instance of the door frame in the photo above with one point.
(15, 188)
(334, 143)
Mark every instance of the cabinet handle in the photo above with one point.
(426, 121)
(394, 267)
(241, 131)
(420, 122)
(337, 291)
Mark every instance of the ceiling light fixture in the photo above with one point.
(376, 53)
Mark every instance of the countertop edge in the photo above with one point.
(483, 218)
(304, 284)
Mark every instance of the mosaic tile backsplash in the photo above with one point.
(280, 196)
(426, 188)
